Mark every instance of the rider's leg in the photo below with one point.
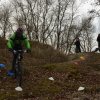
(14, 62)
(12, 71)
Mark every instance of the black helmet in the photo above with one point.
(19, 33)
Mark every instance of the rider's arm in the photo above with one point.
(10, 42)
(26, 42)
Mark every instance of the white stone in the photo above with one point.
(51, 78)
(81, 88)
(18, 88)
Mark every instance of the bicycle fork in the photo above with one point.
(18, 74)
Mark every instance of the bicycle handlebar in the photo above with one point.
(19, 51)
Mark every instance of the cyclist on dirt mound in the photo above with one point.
(16, 42)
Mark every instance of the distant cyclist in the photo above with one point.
(16, 42)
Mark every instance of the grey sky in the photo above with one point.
(4, 1)
(83, 1)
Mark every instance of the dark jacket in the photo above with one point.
(98, 38)
(77, 43)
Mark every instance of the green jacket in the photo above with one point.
(11, 42)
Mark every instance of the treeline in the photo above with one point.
(54, 22)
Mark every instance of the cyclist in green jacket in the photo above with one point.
(16, 42)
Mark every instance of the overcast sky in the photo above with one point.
(3, 1)
(84, 7)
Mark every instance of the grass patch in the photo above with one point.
(61, 67)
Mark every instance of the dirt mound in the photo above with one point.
(69, 73)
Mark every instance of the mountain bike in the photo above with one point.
(18, 67)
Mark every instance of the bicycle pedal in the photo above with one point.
(18, 88)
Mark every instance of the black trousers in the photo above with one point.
(97, 49)
(77, 49)
(99, 46)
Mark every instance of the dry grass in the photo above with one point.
(42, 64)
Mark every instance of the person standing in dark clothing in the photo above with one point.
(77, 43)
(98, 40)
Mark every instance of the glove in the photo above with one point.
(28, 50)
(11, 50)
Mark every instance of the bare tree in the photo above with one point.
(53, 24)
(34, 15)
(87, 34)
(60, 13)
(5, 24)
(22, 16)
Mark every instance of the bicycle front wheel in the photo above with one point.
(19, 75)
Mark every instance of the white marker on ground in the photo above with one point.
(81, 88)
(18, 88)
(51, 78)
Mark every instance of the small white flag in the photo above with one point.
(51, 78)
(18, 88)
(81, 88)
